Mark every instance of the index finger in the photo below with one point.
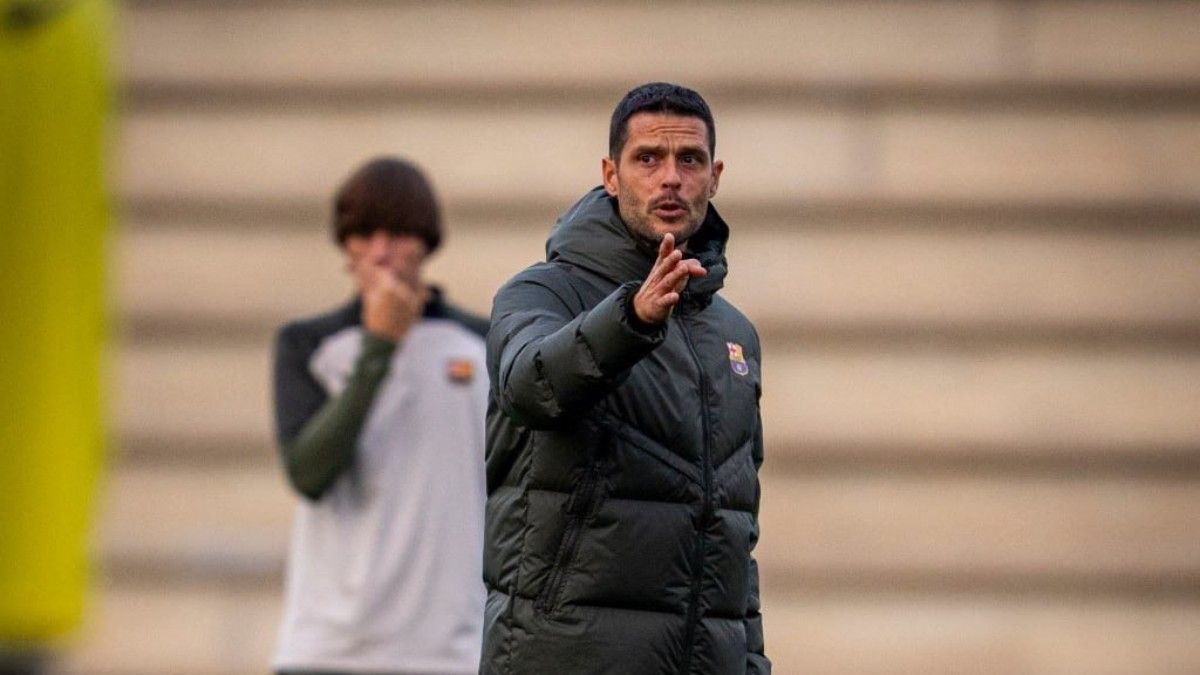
(667, 245)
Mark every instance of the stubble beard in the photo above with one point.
(637, 219)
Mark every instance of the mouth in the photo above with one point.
(669, 210)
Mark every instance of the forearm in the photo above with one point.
(326, 444)
(548, 371)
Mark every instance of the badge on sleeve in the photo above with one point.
(736, 360)
(460, 371)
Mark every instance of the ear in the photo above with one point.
(717, 167)
(608, 171)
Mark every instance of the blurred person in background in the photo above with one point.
(624, 436)
(54, 218)
(380, 409)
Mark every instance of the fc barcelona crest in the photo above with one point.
(460, 371)
(737, 361)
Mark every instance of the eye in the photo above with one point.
(646, 158)
(690, 159)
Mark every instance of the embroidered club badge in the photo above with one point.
(460, 371)
(736, 360)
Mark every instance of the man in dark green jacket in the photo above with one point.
(624, 436)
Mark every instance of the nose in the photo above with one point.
(379, 243)
(670, 176)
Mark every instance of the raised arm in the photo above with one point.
(318, 434)
(549, 361)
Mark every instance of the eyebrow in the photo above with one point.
(660, 148)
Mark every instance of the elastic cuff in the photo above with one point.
(625, 296)
(631, 317)
(375, 345)
(612, 338)
(376, 353)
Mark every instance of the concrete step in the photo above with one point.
(232, 522)
(885, 634)
(1053, 401)
(938, 533)
(1113, 40)
(550, 152)
(774, 45)
(892, 279)
(188, 629)
(182, 629)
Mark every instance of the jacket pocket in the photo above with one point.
(580, 507)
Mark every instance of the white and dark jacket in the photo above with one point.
(385, 444)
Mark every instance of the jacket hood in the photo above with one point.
(592, 235)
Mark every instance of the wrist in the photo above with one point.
(376, 342)
(635, 320)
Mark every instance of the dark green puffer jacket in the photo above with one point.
(622, 466)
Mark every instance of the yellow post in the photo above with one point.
(54, 98)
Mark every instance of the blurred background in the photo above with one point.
(968, 232)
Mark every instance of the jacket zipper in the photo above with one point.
(706, 515)
(579, 506)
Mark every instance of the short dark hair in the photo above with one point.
(661, 97)
(391, 194)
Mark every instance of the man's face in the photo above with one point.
(664, 176)
(402, 254)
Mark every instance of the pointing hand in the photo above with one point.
(660, 291)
